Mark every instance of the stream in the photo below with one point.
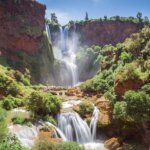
(71, 127)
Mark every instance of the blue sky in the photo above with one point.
(75, 9)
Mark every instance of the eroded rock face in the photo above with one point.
(21, 25)
(106, 32)
(105, 108)
(131, 84)
(23, 43)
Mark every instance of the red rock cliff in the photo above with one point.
(21, 24)
(106, 32)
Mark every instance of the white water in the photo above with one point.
(70, 128)
(68, 52)
(93, 123)
(76, 129)
(26, 135)
(48, 32)
(65, 48)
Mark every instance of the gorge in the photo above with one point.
(84, 85)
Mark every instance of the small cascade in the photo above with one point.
(48, 32)
(57, 131)
(93, 123)
(26, 135)
(74, 128)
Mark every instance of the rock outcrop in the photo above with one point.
(23, 43)
(106, 32)
(21, 25)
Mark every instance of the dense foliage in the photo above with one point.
(123, 78)
(42, 104)
(138, 19)
(45, 145)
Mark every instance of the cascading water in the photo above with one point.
(74, 127)
(93, 123)
(65, 47)
(48, 32)
(68, 49)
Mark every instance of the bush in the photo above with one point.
(13, 89)
(87, 86)
(100, 85)
(138, 105)
(120, 110)
(50, 119)
(11, 102)
(42, 104)
(44, 145)
(69, 146)
(8, 103)
(146, 88)
(110, 95)
(18, 120)
(3, 125)
(86, 108)
(11, 143)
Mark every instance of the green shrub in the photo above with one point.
(11, 102)
(87, 86)
(100, 85)
(13, 89)
(50, 119)
(69, 146)
(110, 95)
(146, 88)
(8, 103)
(138, 105)
(120, 111)
(18, 120)
(42, 104)
(86, 108)
(44, 145)
(11, 143)
(28, 123)
(2, 114)
(3, 125)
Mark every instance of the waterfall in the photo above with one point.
(57, 131)
(48, 32)
(65, 50)
(93, 123)
(74, 128)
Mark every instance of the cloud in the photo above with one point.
(63, 17)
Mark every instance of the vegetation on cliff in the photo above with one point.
(123, 79)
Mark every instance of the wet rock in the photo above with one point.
(113, 144)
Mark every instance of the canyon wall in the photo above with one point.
(23, 43)
(106, 32)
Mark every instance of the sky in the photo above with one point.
(67, 10)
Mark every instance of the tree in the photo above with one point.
(139, 16)
(146, 20)
(42, 104)
(138, 104)
(105, 18)
(54, 19)
(86, 16)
